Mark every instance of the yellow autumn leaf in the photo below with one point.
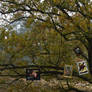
(29, 21)
(57, 1)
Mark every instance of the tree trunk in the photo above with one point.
(90, 55)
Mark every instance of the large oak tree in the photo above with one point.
(70, 18)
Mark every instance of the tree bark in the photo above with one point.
(90, 55)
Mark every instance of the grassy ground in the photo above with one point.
(52, 85)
